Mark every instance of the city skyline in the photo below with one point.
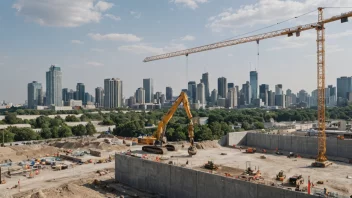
(115, 37)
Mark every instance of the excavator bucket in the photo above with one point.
(192, 150)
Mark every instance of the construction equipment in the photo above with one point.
(321, 160)
(297, 181)
(211, 166)
(280, 176)
(251, 150)
(160, 132)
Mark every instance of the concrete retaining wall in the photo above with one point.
(173, 181)
(300, 144)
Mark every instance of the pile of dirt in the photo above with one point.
(19, 153)
(89, 145)
(104, 135)
(207, 144)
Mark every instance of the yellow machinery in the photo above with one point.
(160, 132)
(321, 160)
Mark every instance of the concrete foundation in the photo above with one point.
(299, 144)
(173, 181)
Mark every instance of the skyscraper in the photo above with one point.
(168, 93)
(87, 98)
(65, 95)
(344, 86)
(192, 91)
(222, 87)
(232, 98)
(113, 93)
(253, 78)
(201, 94)
(54, 86)
(263, 93)
(246, 89)
(140, 95)
(99, 97)
(230, 85)
(205, 81)
(149, 90)
(35, 94)
(214, 96)
(81, 90)
(278, 89)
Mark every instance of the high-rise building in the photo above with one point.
(185, 90)
(99, 97)
(280, 100)
(263, 93)
(214, 96)
(70, 95)
(246, 89)
(232, 98)
(278, 89)
(192, 91)
(35, 94)
(87, 98)
(200, 96)
(113, 93)
(65, 95)
(54, 86)
(288, 92)
(302, 96)
(332, 96)
(80, 91)
(205, 81)
(149, 90)
(140, 95)
(253, 78)
(344, 86)
(230, 85)
(222, 87)
(271, 98)
(157, 96)
(168, 93)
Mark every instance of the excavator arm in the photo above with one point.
(160, 132)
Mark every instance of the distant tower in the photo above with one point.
(192, 91)
(113, 93)
(149, 90)
(205, 81)
(54, 86)
(35, 94)
(80, 91)
(168, 93)
(246, 89)
(140, 95)
(253, 78)
(201, 93)
(99, 97)
(222, 87)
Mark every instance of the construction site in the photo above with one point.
(251, 164)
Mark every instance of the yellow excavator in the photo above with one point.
(158, 148)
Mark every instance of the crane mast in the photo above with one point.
(321, 159)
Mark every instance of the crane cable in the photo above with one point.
(187, 68)
(258, 55)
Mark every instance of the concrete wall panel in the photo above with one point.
(331, 146)
(157, 177)
(237, 138)
(291, 194)
(183, 182)
(136, 167)
(345, 148)
(285, 143)
(238, 188)
(121, 164)
(251, 139)
(274, 142)
(299, 144)
(209, 185)
(267, 191)
(312, 146)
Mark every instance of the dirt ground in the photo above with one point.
(18, 153)
(234, 162)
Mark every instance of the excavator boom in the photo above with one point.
(160, 132)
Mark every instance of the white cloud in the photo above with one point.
(270, 12)
(115, 37)
(193, 4)
(339, 35)
(148, 49)
(96, 50)
(136, 15)
(332, 48)
(293, 42)
(113, 17)
(77, 42)
(188, 38)
(95, 64)
(61, 13)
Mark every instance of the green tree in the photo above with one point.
(8, 136)
(79, 130)
(23, 134)
(90, 129)
(55, 132)
(71, 118)
(259, 125)
(11, 118)
(65, 131)
(46, 133)
(84, 118)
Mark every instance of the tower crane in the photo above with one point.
(321, 160)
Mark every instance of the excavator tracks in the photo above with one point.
(171, 147)
(155, 149)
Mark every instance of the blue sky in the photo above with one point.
(92, 40)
